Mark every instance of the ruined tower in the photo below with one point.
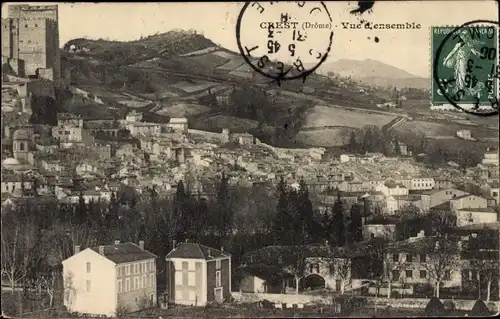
(30, 41)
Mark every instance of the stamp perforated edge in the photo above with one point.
(431, 58)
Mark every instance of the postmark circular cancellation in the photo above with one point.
(284, 40)
(465, 67)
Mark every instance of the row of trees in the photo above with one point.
(296, 223)
(375, 139)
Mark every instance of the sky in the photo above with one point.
(405, 49)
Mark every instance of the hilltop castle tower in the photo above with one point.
(30, 41)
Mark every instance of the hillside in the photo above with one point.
(165, 44)
(181, 73)
(375, 73)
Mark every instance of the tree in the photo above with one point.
(305, 212)
(397, 148)
(484, 253)
(366, 145)
(282, 217)
(392, 270)
(353, 147)
(354, 231)
(50, 281)
(20, 249)
(338, 221)
(81, 210)
(209, 99)
(179, 211)
(341, 268)
(223, 203)
(442, 222)
(442, 259)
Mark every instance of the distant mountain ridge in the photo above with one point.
(374, 72)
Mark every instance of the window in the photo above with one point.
(409, 258)
(218, 279)
(36, 25)
(423, 258)
(25, 25)
(127, 284)
(88, 267)
(136, 266)
(152, 280)
(191, 278)
(178, 278)
(178, 294)
(143, 281)
(88, 285)
(447, 275)
(423, 274)
(136, 283)
(127, 270)
(331, 269)
(395, 257)
(218, 264)
(120, 286)
(192, 295)
(395, 275)
(409, 273)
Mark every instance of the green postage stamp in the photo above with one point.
(464, 65)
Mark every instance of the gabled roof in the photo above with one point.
(443, 206)
(463, 196)
(196, 251)
(124, 253)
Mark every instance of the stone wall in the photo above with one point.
(396, 303)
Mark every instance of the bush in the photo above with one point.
(434, 308)
(479, 309)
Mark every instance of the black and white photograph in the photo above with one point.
(284, 159)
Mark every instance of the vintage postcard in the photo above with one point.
(250, 159)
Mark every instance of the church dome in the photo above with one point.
(21, 134)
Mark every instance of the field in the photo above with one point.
(321, 116)
(210, 60)
(440, 130)
(183, 110)
(233, 64)
(325, 137)
(191, 87)
(221, 121)
(200, 52)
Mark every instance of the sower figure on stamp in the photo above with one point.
(458, 60)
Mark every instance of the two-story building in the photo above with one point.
(421, 183)
(467, 201)
(108, 279)
(413, 262)
(443, 196)
(197, 274)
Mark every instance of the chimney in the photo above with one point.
(174, 244)
(222, 248)
(77, 249)
(117, 242)
(141, 244)
(101, 250)
(210, 253)
(186, 240)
